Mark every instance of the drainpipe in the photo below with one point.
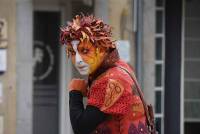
(138, 29)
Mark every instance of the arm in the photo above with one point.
(84, 121)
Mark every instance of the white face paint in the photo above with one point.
(80, 65)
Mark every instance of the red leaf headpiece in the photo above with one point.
(87, 27)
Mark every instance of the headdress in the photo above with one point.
(90, 28)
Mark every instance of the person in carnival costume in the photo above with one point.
(112, 107)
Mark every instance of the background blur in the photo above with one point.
(162, 39)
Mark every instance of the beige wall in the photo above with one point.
(122, 9)
(120, 14)
(8, 79)
(117, 10)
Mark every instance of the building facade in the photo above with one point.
(163, 36)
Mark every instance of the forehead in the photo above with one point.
(75, 44)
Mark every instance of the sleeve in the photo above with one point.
(111, 96)
(83, 121)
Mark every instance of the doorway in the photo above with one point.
(46, 72)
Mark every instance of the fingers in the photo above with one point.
(77, 84)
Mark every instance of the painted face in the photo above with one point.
(85, 56)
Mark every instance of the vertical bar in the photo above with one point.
(24, 58)
(163, 72)
(139, 40)
(182, 70)
(65, 77)
(173, 66)
(135, 17)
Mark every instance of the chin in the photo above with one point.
(83, 72)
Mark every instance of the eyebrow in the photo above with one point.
(70, 48)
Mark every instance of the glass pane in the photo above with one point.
(158, 125)
(192, 90)
(192, 69)
(192, 28)
(159, 3)
(159, 21)
(159, 48)
(158, 75)
(192, 8)
(192, 48)
(192, 109)
(158, 102)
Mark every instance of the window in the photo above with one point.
(191, 66)
(159, 65)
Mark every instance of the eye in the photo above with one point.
(72, 52)
(84, 50)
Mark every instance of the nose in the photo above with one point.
(80, 62)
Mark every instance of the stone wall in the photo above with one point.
(149, 49)
(8, 78)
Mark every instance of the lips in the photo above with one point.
(81, 67)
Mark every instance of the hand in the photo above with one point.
(78, 85)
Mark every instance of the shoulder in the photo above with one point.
(115, 75)
(112, 90)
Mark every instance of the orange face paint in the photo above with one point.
(88, 53)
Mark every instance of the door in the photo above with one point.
(46, 72)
